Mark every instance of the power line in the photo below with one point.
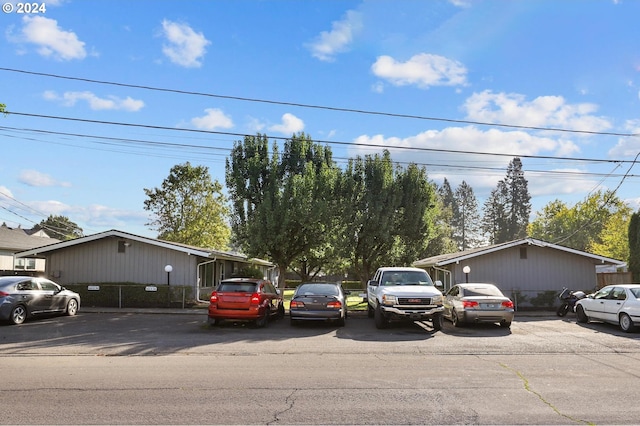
(321, 107)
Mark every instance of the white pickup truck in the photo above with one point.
(403, 293)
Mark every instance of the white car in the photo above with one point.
(614, 304)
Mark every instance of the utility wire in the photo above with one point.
(327, 108)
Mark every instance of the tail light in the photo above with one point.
(469, 304)
(3, 294)
(214, 298)
(296, 304)
(335, 304)
(255, 299)
(507, 304)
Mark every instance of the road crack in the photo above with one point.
(289, 402)
(528, 388)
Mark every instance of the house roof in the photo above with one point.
(191, 250)
(447, 259)
(18, 239)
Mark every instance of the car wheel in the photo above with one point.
(455, 320)
(213, 321)
(438, 322)
(18, 314)
(379, 319)
(263, 320)
(72, 307)
(370, 312)
(281, 311)
(581, 315)
(626, 324)
(505, 324)
(341, 321)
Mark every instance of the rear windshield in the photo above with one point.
(406, 278)
(481, 291)
(318, 289)
(237, 287)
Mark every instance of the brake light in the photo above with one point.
(507, 304)
(3, 294)
(255, 299)
(469, 304)
(214, 298)
(296, 304)
(335, 304)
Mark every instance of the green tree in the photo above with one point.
(283, 204)
(634, 246)
(494, 219)
(518, 206)
(189, 208)
(581, 227)
(60, 227)
(613, 240)
(387, 213)
(448, 208)
(466, 221)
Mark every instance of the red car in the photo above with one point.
(245, 299)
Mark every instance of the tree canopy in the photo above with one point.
(60, 227)
(189, 208)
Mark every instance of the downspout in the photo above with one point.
(198, 278)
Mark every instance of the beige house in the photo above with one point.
(120, 257)
(526, 266)
(13, 240)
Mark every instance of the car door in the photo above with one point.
(595, 307)
(449, 300)
(614, 303)
(53, 300)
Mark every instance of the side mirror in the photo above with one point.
(438, 283)
(372, 283)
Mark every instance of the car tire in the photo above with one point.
(438, 322)
(626, 324)
(581, 315)
(505, 324)
(341, 320)
(370, 312)
(18, 314)
(72, 307)
(281, 311)
(263, 320)
(455, 320)
(379, 319)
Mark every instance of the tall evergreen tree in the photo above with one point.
(449, 208)
(466, 220)
(518, 205)
(494, 220)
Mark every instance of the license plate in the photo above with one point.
(490, 306)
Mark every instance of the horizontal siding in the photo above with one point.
(544, 269)
(100, 262)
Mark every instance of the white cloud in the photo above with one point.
(5, 192)
(629, 146)
(213, 119)
(52, 41)
(423, 70)
(543, 111)
(329, 43)
(39, 179)
(95, 102)
(290, 125)
(184, 46)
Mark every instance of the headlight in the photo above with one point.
(389, 300)
(436, 300)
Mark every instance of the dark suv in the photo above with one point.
(245, 299)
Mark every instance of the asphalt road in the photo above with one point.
(121, 368)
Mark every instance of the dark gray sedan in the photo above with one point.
(318, 302)
(23, 296)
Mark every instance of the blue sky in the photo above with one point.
(458, 86)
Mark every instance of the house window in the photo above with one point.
(25, 264)
(523, 252)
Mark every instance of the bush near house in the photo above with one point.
(133, 295)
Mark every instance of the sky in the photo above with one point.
(105, 97)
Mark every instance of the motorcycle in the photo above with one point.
(569, 299)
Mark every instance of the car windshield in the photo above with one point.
(406, 278)
(237, 287)
(317, 289)
(481, 291)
